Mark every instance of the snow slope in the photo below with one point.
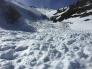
(26, 11)
(45, 45)
(81, 24)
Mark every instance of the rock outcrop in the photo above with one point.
(78, 9)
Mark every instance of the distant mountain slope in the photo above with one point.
(28, 12)
(78, 15)
(14, 10)
(78, 9)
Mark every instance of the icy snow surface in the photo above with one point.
(83, 24)
(46, 45)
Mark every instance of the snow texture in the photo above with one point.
(46, 45)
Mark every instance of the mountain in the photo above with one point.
(13, 10)
(81, 9)
(74, 10)
(44, 44)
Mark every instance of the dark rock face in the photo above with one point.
(2, 2)
(11, 14)
(79, 7)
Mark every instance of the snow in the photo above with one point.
(47, 12)
(43, 44)
(81, 24)
(26, 11)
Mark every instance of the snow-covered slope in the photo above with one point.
(50, 46)
(78, 15)
(27, 12)
(81, 24)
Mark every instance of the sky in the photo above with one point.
(53, 4)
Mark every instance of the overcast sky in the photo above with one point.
(54, 4)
